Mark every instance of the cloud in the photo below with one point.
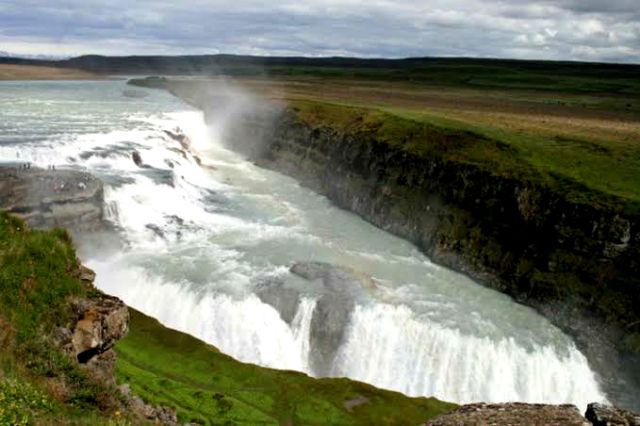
(539, 29)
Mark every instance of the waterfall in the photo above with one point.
(201, 229)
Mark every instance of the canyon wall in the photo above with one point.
(576, 263)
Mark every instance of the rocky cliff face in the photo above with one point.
(604, 415)
(52, 198)
(578, 264)
(99, 323)
(336, 288)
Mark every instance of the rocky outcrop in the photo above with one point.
(606, 415)
(100, 322)
(332, 312)
(335, 289)
(156, 414)
(52, 198)
(179, 137)
(520, 414)
(103, 321)
(513, 414)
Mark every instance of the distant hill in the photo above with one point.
(215, 63)
(564, 76)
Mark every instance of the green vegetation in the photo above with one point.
(569, 77)
(18, 400)
(37, 381)
(152, 82)
(597, 172)
(35, 279)
(208, 387)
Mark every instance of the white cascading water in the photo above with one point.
(197, 241)
(392, 348)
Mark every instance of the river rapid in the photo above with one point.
(202, 235)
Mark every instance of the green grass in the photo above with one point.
(19, 400)
(588, 170)
(172, 368)
(36, 281)
(35, 276)
(480, 73)
(596, 172)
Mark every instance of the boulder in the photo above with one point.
(606, 415)
(335, 289)
(102, 322)
(137, 159)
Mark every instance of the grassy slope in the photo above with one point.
(576, 125)
(172, 368)
(603, 173)
(37, 382)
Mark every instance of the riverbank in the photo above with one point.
(471, 202)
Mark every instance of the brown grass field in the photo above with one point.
(592, 117)
(29, 72)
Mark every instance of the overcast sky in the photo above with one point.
(594, 30)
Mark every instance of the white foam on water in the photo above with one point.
(239, 325)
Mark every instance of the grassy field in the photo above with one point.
(30, 72)
(208, 387)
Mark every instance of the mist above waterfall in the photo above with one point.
(238, 119)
